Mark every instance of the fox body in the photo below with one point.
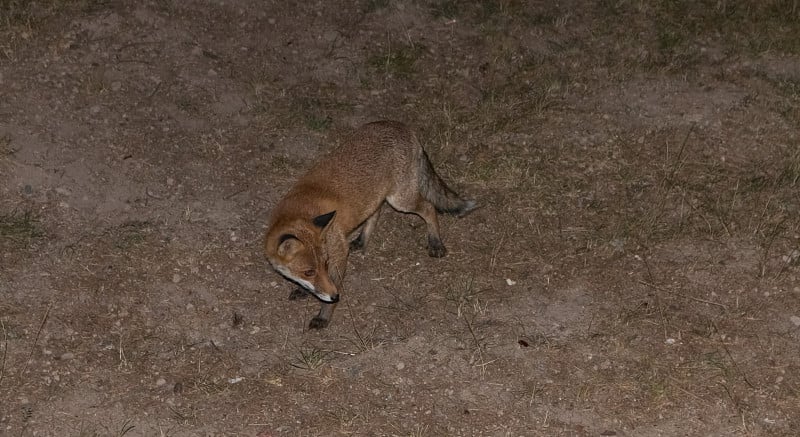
(335, 207)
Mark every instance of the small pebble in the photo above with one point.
(176, 278)
(795, 320)
(330, 36)
(67, 356)
(400, 366)
(160, 382)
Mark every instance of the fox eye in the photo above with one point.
(309, 273)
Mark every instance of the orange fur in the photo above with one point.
(336, 205)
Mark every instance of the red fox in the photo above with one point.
(335, 206)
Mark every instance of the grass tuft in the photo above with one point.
(419, 431)
(310, 358)
(364, 342)
(318, 122)
(465, 297)
(445, 9)
(790, 174)
(5, 147)
(126, 428)
(314, 111)
(375, 5)
(131, 234)
(14, 12)
(20, 228)
(26, 13)
(399, 61)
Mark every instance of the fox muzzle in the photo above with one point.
(326, 298)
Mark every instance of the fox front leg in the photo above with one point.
(336, 253)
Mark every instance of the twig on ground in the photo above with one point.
(36, 339)
(235, 193)
(478, 345)
(679, 157)
(5, 352)
(730, 357)
(696, 299)
(677, 385)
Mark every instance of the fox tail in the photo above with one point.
(433, 188)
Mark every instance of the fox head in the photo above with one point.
(296, 251)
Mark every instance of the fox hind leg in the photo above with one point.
(425, 209)
(360, 243)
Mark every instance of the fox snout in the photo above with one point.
(321, 295)
(327, 293)
(325, 297)
(310, 286)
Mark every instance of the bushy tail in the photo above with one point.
(433, 188)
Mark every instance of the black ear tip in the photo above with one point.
(322, 220)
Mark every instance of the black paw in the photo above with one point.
(298, 293)
(318, 323)
(358, 243)
(436, 248)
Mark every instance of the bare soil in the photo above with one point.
(633, 270)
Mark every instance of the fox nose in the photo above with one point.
(326, 298)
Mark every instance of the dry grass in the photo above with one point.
(131, 234)
(5, 351)
(633, 268)
(5, 147)
(20, 228)
(310, 358)
(23, 13)
(398, 61)
(364, 341)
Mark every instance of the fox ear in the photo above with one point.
(288, 244)
(323, 220)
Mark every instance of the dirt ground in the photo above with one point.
(633, 270)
